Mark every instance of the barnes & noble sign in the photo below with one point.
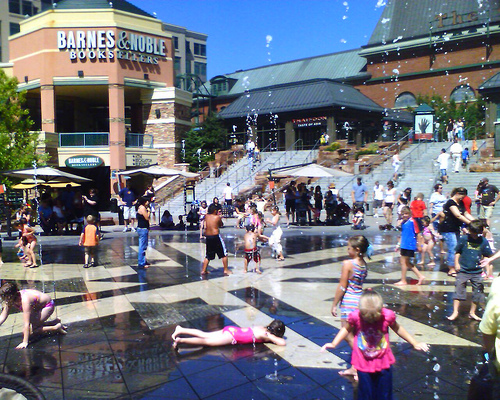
(105, 45)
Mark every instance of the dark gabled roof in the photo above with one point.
(492, 83)
(299, 96)
(121, 5)
(342, 66)
(404, 20)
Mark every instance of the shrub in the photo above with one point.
(333, 147)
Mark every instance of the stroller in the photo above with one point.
(358, 219)
(192, 217)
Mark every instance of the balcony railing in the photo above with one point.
(101, 139)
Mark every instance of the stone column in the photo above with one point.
(289, 134)
(331, 129)
(48, 108)
(117, 155)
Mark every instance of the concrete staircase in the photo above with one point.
(417, 171)
(241, 176)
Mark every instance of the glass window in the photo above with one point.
(15, 6)
(188, 67)
(14, 28)
(405, 100)
(176, 42)
(27, 8)
(200, 68)
(188, 47)
(200, 49)
(462, 93)
(177, 64)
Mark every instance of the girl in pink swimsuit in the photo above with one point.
(273, 333)
(36, 307)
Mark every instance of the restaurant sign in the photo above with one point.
(307, 122)
(109, 45)
(84, 162)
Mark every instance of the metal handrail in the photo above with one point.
(398, 143)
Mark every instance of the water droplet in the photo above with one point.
(436, 368)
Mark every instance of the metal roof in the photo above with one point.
(122, 5)
(337, 66)
(404, 20)
(492, 83)
(299, 96)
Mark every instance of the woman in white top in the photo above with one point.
(396, 163)
(378, 198)
(390, 199)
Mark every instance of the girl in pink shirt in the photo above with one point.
(371, 354)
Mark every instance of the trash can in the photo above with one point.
(113, 207)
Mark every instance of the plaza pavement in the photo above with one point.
(120, 320)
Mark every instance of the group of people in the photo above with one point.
(304, 205)
(459, 157)
(455, 129)
(59, 210)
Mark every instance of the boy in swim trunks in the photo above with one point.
(214, 243)
(251, 249)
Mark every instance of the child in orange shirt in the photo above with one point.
(90, 239)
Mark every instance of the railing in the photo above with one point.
(383, 156)
(138, 140)
(101, 139)
(84, 139)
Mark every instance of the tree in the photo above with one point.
(17, 143)
(472, 111)
(209, 137)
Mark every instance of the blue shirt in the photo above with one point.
(359, 191)
(471, 250)
(409, 230)
(127, 196)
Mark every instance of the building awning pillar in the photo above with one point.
(48, 105)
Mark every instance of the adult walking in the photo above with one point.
(436, 203)
(396, 163)
(359, 193)
(227, 195)
(143, 215)
(454, 216)
(488, 197)
(388, 204)
(456, 155)
(443, 160)
(449, 129)
(378, 198)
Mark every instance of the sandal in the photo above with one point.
(452, 274)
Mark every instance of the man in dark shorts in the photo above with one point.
(214, 243)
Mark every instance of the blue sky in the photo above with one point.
(239, 30)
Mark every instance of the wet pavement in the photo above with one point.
(120, 320)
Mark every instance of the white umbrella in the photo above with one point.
(313, 171)
(157, 171)
(45, 174)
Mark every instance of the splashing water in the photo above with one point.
(343, 41)
(380, 3)
(269, 39)
(385, 20)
